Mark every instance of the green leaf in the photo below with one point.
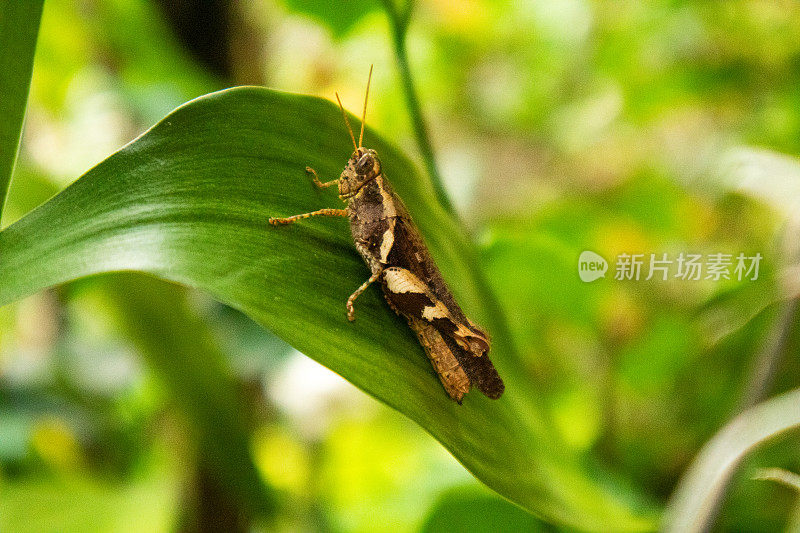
(779, 475)
(19, 26)
(470, 509)
(189, 201)
(696, 499)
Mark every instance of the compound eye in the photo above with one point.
(364, 164)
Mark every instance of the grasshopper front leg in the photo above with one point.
(317, 182)
(317, 213)
(351, 312)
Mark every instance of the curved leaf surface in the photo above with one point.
(188, 201)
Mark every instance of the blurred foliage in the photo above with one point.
(559, 126)
(694, 503)
(338, 17)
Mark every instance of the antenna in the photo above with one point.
(364, 113)
(347, 122)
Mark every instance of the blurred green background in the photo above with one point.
(558, 126)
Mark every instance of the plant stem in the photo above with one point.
(779, 338)
(399, 21)
(771, 355)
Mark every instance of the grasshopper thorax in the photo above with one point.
(362, 167)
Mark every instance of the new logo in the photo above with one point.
(591, 266)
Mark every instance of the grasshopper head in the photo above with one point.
(362, 167)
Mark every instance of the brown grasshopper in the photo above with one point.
(398, 258)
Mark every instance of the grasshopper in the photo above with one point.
(393, 249)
